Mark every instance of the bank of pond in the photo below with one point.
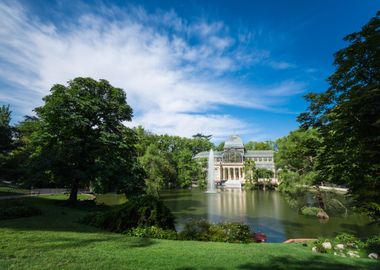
(268, 212)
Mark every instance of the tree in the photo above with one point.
(6, 139)
(297, 151)
(267, 145)
(250, 172)
(5, 129)
(160, 172)
(201, 136)
(82, 139)
(18, 160)
(220, 147)
(347, 116)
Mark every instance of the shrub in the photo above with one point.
(373, 244)
(196, 230)
(144, 211)
(310, 211)
(346, 238)
(153, 232)
(202, 230)
(230, 232)
(17, 209)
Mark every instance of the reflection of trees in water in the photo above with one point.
(333, 203)
(267, 212)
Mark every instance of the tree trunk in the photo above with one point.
(320, 199)
(74, 192)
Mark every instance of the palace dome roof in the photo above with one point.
(233, 141)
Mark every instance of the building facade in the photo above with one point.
(229, 163)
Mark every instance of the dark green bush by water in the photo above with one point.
(144, 211)
(153, 232)
(202, 230)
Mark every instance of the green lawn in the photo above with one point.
(55, 240)
(6, 190)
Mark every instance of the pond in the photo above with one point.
(263, 211)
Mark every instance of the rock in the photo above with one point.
(314, 249)
(339, 246)
(322, 215)
(353, 254)
(326, 245)
(374, 256)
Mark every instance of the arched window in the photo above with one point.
(232, 156)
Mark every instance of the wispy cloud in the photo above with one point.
(172, 70)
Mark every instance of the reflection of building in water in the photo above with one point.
(229, 163)
(230, 205)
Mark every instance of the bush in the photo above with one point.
(17, 209)
(202, 230)
(196, 230)
(310, 211)
(230, 232)
(346, 238)
(373, 244)
(144, 211)
(153, 232)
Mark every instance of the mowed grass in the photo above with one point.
(6, 190)
(54, 240)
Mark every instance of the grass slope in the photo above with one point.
(6, 190)
(55, 240)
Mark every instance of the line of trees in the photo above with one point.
(78, 139)
(339, 137)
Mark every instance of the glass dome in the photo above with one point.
(232, 156)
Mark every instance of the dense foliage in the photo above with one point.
(202, 230)
(6, 142)
(81, 139)
(267, 145)
(168, 160)
(143, 211)
(153, 232)
(347, 117)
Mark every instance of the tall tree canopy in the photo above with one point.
(168, 160)
(82, 139)
(6, 132)
(267, 145)
(347, 116)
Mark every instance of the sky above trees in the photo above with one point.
(211, 67)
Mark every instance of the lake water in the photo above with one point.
(263, 211)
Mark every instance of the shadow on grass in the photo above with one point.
(56, 216)
(66, 243)
(312, 263)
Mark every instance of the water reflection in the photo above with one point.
(265, 211)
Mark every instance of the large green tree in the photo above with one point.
(297, 152)
(347, 116)
(267, 145)
(6, 139)
(82, 140)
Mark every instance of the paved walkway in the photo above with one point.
(25, 195)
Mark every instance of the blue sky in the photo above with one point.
(212, 67)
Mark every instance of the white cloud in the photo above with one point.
(171, 83)
(281, 65)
